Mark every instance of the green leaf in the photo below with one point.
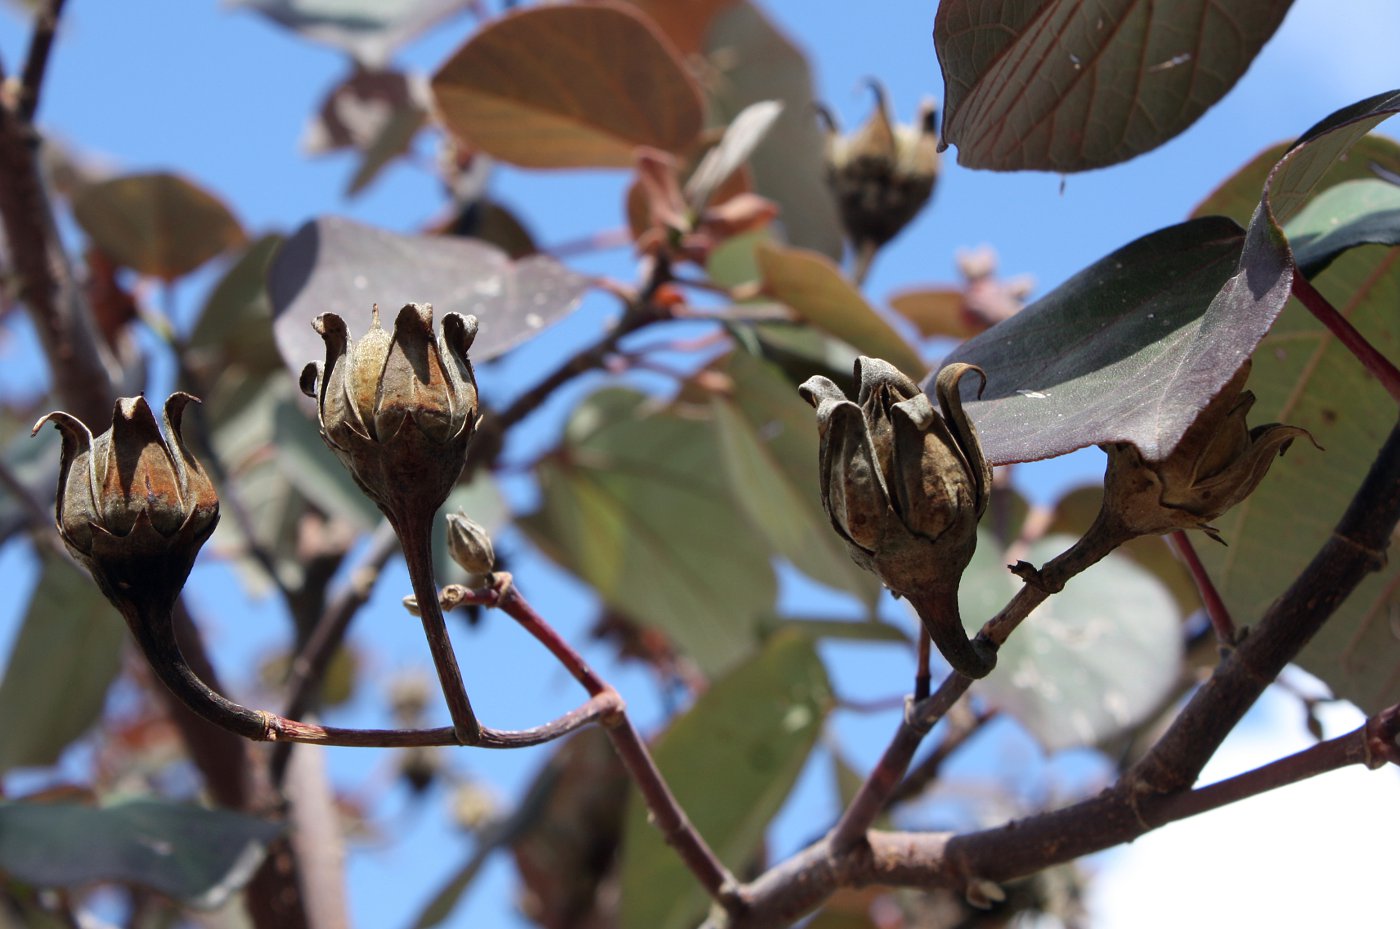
(769, 447)
(755, 61)
(636, 504)
(816, 289)
(569, 85)
(730, 761)
(1303, 377)
(194, 855)
(855, 630)
(157, 224)
(1093, 660)
(1363, 212)
(1128, 350)
(67, 654)
(339, 266)
(314, 470)
(369, 30)
(235, 325)
(1059, 85)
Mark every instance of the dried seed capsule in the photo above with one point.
(470, 546)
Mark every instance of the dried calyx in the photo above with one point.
(133, 506)
(398, 410)
(1218, 462)
(905, 487)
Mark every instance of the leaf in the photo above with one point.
(338, 266)
(730, 761)
(936, 312)
(158, 224)
(370, 30)
(569, 86)
(768, 446)
(376, 113)
(1350, 214)
(635, 503)
(754, 61)
(1128, 350)
(1058, 85)
(194, 855)
(65, 657)
(314, 471)
(685, 24)
(740, 139)
(1093, 660)
(235, 325)
(814, 287)
(1303, 377)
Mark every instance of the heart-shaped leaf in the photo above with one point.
(1129, 349)
(1090, 662)
(569, 85)
(730, 760)
(158, 224)
(636, 504)
(334, 265)
(191, 854)
(1059, 85)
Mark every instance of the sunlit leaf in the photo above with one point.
(936, 312)
(66, 655)
(1302, 376)
(730, 761)
(569, 85)
(814, 287)
(191, 854)
(755, 61)
(636, 504)
(686, 24)
(334, 265)
(157, 224)
(1090, 662)
(740, 139)
(1362, 212)
(1058, 85)
(370, 30)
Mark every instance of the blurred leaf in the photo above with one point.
(496, 224)
(735, 261)
(1075, 512)
(337, 684)
(1058, 85)
(799, 351)
(740, 139)
(334, 265)
(159, 224)
(936, 312)
(730, 761)
(235, 324)
(194, 855)
(768, 447)
(66, 655)
(635, 503)
(813, 286)
(754, 61)
(1238, 197)
(569, 86)
(356, 112)
(370, 30)
(1091, 661)
(314, 470)
(687, 23)
(854, 630)
(32, 462)
(1128, 350)
(1302, 376)
(1363, 212)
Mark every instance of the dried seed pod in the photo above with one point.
(470, 546)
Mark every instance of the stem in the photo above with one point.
(415, 536)
(923, 679)
(937, 607)
(1215, 608)
(928, 770)
(37, 59)
(1366, 353)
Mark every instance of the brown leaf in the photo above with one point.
(685, 22)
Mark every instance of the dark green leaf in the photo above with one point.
(1127, 350)
(1091, 661)
(817, 290)
(1058, 85)
(569, 85)
(757, 62)
(67, 654)
(334, 265)
(157, 224)
(1302, 376)
(194, 855)
(369, 30)
(730, 761)
(1363, 212)
(636, 504)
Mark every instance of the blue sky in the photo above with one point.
(222, 96)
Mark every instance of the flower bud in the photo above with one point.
(905, 488)
(398, 410)
(133, 506)
(470, 546)
(883, 174)
(1218, 462)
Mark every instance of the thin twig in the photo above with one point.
(36, 61)
(1371, 359)
(927, 771)
(1219, 614)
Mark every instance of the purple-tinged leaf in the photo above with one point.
(334, 265)
(1059, 85)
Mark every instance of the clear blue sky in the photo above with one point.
(222, 96)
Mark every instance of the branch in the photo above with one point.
(37, 60)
